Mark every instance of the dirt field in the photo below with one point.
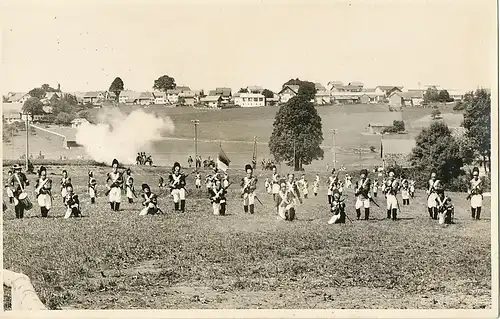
(119, 260)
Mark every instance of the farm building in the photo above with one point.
(405, 99)
(249, 100)
(335, 86)
(345, 97)
(93, 98)
(224, 93)
(255, 89)
(354, 87)
(456, 95)
(78, 121)
(129, 97)
(273, 101)
(287, 92)
(190, 97)
(173, 96)
(19, 97)
(396, 152)
(160, 97)
(322, 98)
(146, 98)
(212, 101)
(387, 90)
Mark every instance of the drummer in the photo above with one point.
(18, 183)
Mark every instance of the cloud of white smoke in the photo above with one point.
(121, 136)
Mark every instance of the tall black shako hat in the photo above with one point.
(176, 164)
(475, 170)
(115, 162)
(363, 171)
(248, 167)
(145, 186)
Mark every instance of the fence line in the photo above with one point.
(23, 295)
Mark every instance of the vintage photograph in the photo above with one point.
(249, 155)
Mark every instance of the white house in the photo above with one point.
(288, 92)
(93, 98)
(212, 101)
(249, 99)
(322, 97)
(456, 95)
(160, 97)
(335, 86)
(78, 121)
(346, 97)
(388, 89)
(17, 97)
(146, 98)
(129, 97)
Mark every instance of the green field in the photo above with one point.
(236, 129)
(119, 260)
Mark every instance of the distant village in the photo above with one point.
(336, 92)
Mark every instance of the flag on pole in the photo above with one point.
(222, 160)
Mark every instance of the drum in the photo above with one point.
(25, 201)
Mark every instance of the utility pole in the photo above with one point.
(27, 138)
(196, 122)
(334, 131)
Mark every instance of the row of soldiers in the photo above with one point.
(286, 193)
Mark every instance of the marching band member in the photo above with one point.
(375, 188)
(275, 182)
(8, 190)
(431, 195)
(287, 198)
(218, 198)
(444, 206)
(316, 186)
(43, 191)
(197, 181)
(64, 181)
(177, 182)
(248, 187)
(475, 194)
(304, 185)
(72, 203)
(115, 188)
(391, 189)
(129, 186)
(362, 193)
(92, 187)
(150, 202)
(337, 209)
(18, 183)
(405, 192)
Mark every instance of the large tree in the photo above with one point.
(47, 88)
(33, 106)
(477, 122)
(116, 87)
(297, 131)
(268, 94)
(164, 83)
(307, 90)
(437, 149)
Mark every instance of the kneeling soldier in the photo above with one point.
(218, 198)
(338, 210)
(150, 202)
(72, 203)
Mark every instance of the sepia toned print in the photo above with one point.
(255, 155)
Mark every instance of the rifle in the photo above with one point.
(247, 185)
(220, 192)
(473, 190)
(178, 180)
(120, 176)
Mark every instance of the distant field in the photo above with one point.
(122, 261)
(237, 127)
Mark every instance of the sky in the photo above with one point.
(207, 44)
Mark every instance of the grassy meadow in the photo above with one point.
(119, 260)
(236, 129)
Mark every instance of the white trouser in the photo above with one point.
(334, 219)
(248, 199)
(283, 209)
(392, 201)
(145, 210)
(216, 207)
(9, 192)
(305, 191)
(178, 194)
(315, 189)
(44, 200)
(129, 193)
(405, 194)
(64, 192)
(68, 212)
(441, 217)
(115, 195)
(276, 188)
(362, 202)
(431, 202)
(91, 192)
(198, 182)
(476, 201)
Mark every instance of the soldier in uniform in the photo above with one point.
(92, 187)
(64, 181)
(197, 180)
(18, 183)
(10, 194)
(304, 185)
(218, 198)
(115, 187)
(316, 186)
(129, 187)
(287, 198)
(375, 188)
(248, 187)
(431, 195)
(405, 192)
(177, 182)
(412, 188)
(275, 183)
(391, 190)
(332, 184)
(444, 206)
(149, 201)
(337, 209)
(362, 192)
(72, 203)
(43, 189)
(475, 194)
